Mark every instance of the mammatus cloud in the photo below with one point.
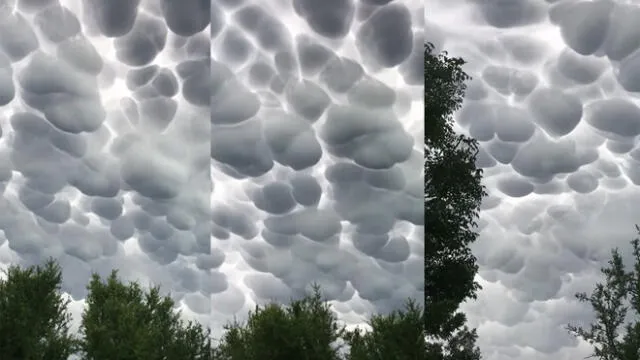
(554, 103)
(315, 147)
(231, 151)
(103, 159)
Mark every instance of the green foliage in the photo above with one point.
(399, 335)
(34, 321)
(453, 193)
(305, 329)
(611, 303)
(124, 322)
(460, 345)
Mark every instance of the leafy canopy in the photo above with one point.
(34, 320)
(307, 329)
(453, 193)
(125, 322)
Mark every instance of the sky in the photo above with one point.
(555, 105)
(232, 152)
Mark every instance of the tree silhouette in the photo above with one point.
(34, 320)
(126, 322)
(453, 193)
(305, 329)
(398, 335)
(611, 303)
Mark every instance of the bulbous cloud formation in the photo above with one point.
(554, 105)
(104, 147)
(231, 151)
(315, 152)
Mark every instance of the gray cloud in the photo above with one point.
(103, 165)
(229, 151)
(314, 164)
(553, 103)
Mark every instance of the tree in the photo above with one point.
(399, 335)
(305, 329)
(124, 322)
(34, 321)
(453, 193)
(611, 303)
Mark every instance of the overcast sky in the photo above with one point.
(232, 152)
(555, 105)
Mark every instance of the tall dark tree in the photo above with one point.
(612, 337)
(453, 193)
(34, 320)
